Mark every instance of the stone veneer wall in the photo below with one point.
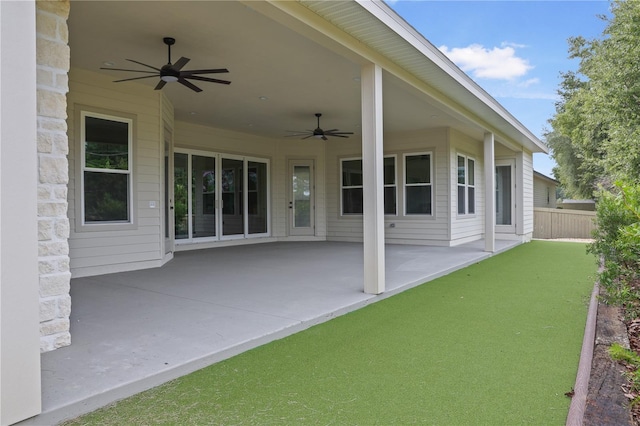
(53, 175)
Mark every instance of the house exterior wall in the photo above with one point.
(406, 229)
(524, 162)
(99, 249)
(466, 227)
(53, 225)
(544, 193)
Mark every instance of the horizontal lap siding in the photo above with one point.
(99, 251)
(406, 229)
(466, 227)
(527, 188)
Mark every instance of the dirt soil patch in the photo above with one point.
(606, 400)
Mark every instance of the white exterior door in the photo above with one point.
(301, 199)
(505, 196)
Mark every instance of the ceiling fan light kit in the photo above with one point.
(170, 73)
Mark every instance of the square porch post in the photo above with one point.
(489, 194)
(20, 388)
(372, 175)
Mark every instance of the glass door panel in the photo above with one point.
(257, 205)
(203, 196)
(301, 196)
(181, 195)
(301, 201)
(232, 197)
(503, 195)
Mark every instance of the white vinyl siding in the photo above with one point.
(466, 197)
(525, 172)
(120, 247)
(407, 229)
(466, 227)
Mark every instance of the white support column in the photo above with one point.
(489, 194)
(19, 292)
(373, 184)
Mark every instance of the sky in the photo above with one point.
(515, 50)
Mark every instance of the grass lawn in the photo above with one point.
(496, 343)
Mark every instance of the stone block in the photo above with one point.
(61, 143)
(53, 248)
(47, 25)
(44, 192)
(60, 192)
(62, 339)
(45, 229)
(52, 209)
(45, 142)
(51, 104)
(55, 285)
(53, 124)
(60, 8)
(45, 77)
(52, 54)
(58, 325)
(48, 266)
(62, 228)
(64, 306)
(48, 309)
(53, 169)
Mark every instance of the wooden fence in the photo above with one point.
(562, 223)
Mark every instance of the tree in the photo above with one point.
(596, 130)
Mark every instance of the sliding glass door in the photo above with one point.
(220, 196)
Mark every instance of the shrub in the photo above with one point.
(617, 244)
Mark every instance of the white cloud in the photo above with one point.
(529, 82)
(499, 63)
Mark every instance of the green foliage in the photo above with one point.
(617, 243)
(596, 137)
(632, 360)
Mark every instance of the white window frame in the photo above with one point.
(406, 185)
(81, 223)
(394, 185)
(218, 157)
(466, 185)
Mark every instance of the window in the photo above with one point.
(218, 196)
(106, 181)
(390, 191)
(352, 189)
(466, 185)
(418, 193)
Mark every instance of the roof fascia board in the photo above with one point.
(309, 23)
(391, 19)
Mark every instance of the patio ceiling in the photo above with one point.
(282, 71)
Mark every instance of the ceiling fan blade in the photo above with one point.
(331, 130)
(307, 137)
(324, 138)
(213, 71)
(144, 65)
(210, 80)
(135, 78)
(337, 135)
(122, 69)
(180, 63)
(160, 85)
(189, 85)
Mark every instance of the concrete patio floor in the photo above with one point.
(135, 330)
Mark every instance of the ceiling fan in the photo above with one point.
(173, 72)
(318, 133)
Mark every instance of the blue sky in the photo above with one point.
(515, 50)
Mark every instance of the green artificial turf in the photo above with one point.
(496, 343)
